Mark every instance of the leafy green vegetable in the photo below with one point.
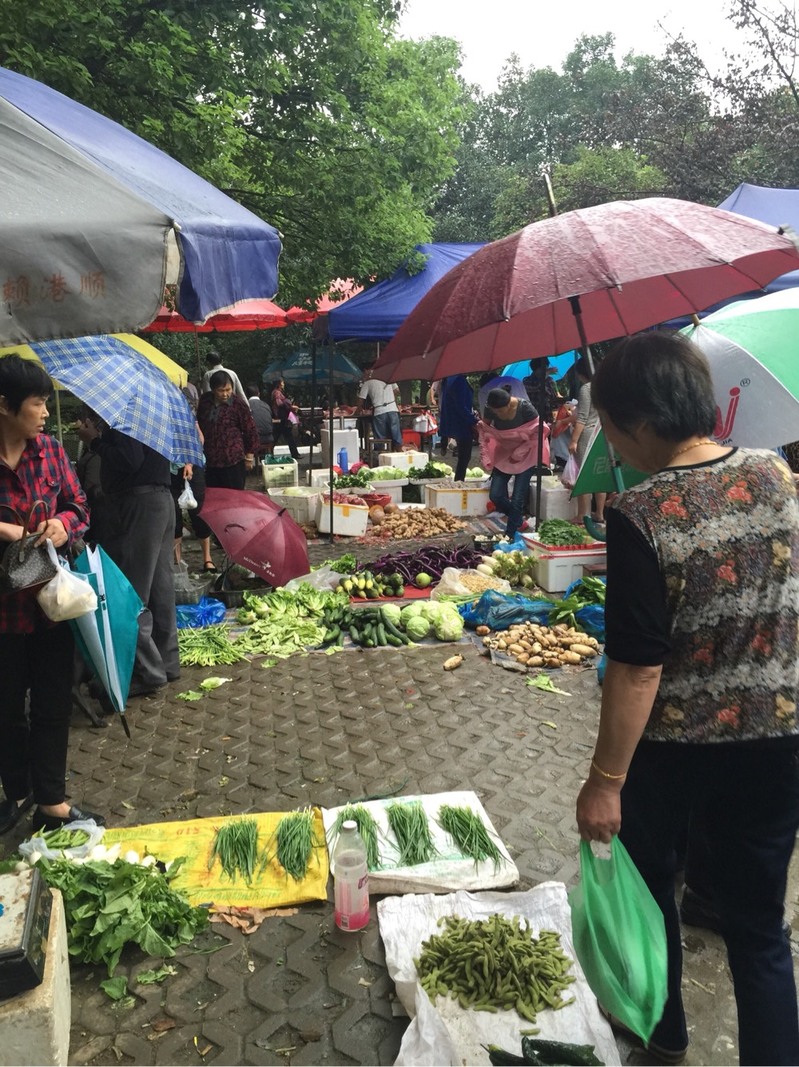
(151, 977)
(430, 470)
(561, 532)
(111, 905)
(115, 988)
(543, 681)
(191, 694)
(213, 683)
(235, 845)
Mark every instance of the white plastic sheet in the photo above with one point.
(444, 1033)
(450, 869)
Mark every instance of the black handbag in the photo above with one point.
(25, 565)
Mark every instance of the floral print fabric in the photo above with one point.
(726, 535)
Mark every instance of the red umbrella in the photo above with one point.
(340, 290)
(582, 277)
(256, 533)
(248, 315)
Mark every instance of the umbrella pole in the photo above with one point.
(330, 427)
(59, 427)
(313, 408)
(538, 475)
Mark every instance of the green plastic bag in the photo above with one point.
(620, 938)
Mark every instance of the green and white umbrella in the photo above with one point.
(752, 347)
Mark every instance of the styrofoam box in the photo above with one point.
(595, 548)
(556, 502)
(390, 483)
(320, 477)
(403, 459)
(390, 489)
(555, 573)
(348, 520)
(458, 502)
(277, 474)
(301, 506)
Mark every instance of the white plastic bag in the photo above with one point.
(187, 498)
(570, 471)
(450, 584)
(36, 848)
(68, 595)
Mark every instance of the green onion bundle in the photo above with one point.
(412, 831)
(235, 845)
(367, 828)
(469, 833)
(295, 841)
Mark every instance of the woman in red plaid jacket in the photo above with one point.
(36, 655)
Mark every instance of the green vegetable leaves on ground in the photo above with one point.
(111, 905)
(561, 532)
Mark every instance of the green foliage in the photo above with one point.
(311, 113)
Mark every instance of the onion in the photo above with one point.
(376, 515)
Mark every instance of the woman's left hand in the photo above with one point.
(249, 462)
(55, 530)
(598, 811)
(188, 471)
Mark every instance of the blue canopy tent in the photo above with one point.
(377, 313)
(95, 221)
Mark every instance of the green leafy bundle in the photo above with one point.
(111, 905)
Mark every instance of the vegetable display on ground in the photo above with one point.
(469, 833)
(495, 965)
(409, 824)
(387, 624)
(235, 845)
(295, 841)
(431, 559)
(408, 524)
(533, 645)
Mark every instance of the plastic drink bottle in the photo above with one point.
(350, 879)
(343, 460)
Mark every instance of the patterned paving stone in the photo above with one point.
(325, 730)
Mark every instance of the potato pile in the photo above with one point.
(541, 646)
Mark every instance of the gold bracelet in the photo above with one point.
(610, 777)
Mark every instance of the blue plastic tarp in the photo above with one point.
(377, 313)
(67, 161)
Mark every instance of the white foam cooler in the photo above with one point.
(556, 502)
(403, 459)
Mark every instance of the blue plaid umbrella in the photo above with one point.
(127, 391)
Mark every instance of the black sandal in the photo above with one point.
(210, 568)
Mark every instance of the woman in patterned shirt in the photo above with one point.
(230, 436)
(699, 699)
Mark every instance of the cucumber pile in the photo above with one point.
(368, 586)
(367, 627)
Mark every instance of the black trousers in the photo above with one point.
(33, 753)
(234, 477)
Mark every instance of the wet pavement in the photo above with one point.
(324, 730)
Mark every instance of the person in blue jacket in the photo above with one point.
(457, 418)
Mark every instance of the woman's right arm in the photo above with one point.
(9, 531)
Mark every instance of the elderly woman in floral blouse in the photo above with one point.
(699, 717)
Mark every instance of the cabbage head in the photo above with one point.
(392, 612)
(449, 627)
(410, 611)
(432, 609)
(417, 627)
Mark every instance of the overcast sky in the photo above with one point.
(543, 34)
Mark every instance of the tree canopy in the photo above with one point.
(312, 112)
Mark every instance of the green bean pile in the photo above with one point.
(295, 841)
(495, 965)
(208, 647)
(63, 838)
(469, 833)
(367, 828)
(412, 831)
(235, 845)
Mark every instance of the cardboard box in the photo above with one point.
(458, 502)
(348, 520)
(277, 474)
(403, 459)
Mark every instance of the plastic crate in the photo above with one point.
(192, 590)
(458, 502)
(348, 519)
(555, 572)
(402, 459)
(301, 506)
(277, 474)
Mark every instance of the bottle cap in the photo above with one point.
(349, 824)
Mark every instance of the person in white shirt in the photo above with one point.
(214, 363)
(381, 398)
